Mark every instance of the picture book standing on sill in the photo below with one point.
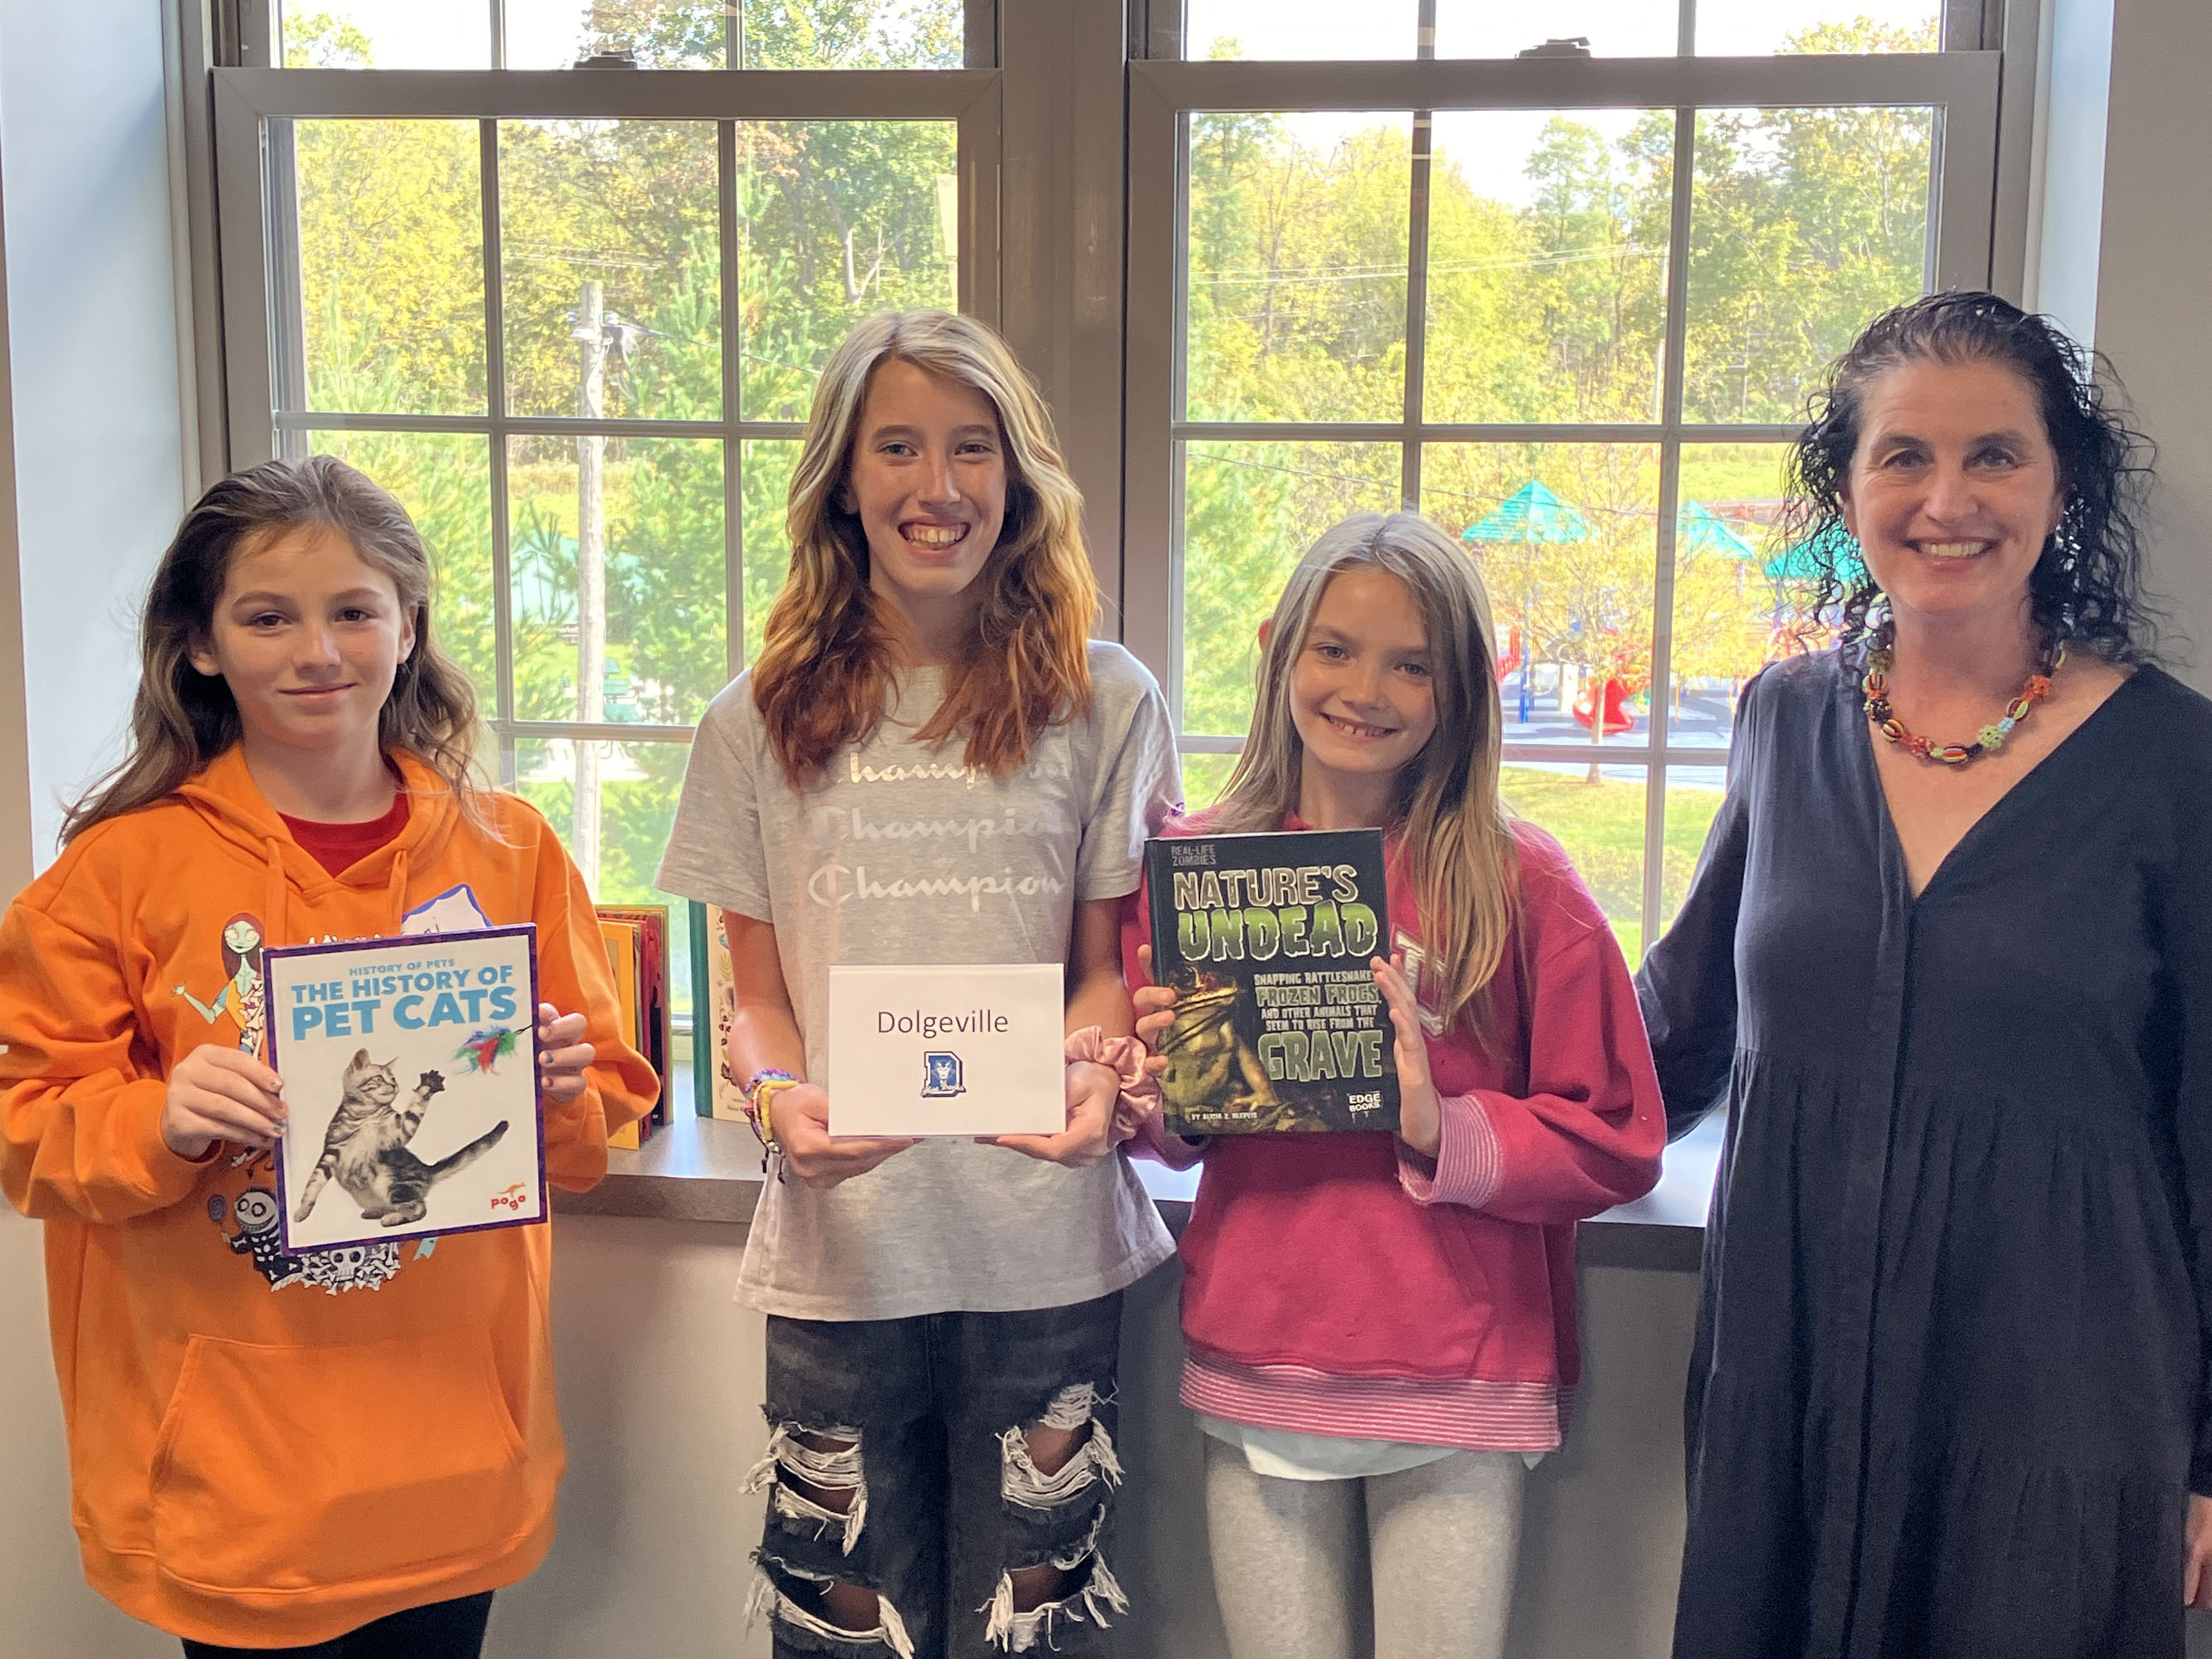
(1266, 938)
(410, 1074)
(636, 941)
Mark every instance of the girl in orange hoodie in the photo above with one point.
(342, 1452)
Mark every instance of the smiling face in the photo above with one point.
(1954, 490)
(927, 480)
(309, 637)
(1362, 688)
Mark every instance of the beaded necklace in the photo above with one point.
(1988, 740)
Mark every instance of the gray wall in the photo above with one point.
(2154, 277)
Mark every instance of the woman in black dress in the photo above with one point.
(1948, 958)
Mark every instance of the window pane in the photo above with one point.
(769, 465)
(840, 219)
(1753, 29)
(766, 34)
(387, 317)
(1295, 29)
(1547, 264)
(1693, 796)
(1566, 538)
(1804, 224)
(386, 34)
(1203, 779)
(1730, 594)
(652, 523)
(1296, 266)
(1597, 815)
(544, 35)
(1615, 28)
(611, 221)
(1250, 513)
(628, 793)
(444, 480)
(852, 34)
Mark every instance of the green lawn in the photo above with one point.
(1600, 824)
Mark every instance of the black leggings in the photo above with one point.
(444, 1630)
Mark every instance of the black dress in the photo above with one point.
(1949, 1391)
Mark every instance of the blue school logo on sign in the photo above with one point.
(941, 1076)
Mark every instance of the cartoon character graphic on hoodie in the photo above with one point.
(254, 1210)
(244, 993)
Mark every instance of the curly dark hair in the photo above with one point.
(2086, 588)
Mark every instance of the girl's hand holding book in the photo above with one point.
(221, 1093)
(562, 1054)
(801, 1121)
(1155, 1005)
(1420, 1114)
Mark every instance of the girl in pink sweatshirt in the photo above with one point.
(1381, 1326)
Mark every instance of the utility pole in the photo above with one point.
(590, 580)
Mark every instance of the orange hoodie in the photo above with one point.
(265, 1448)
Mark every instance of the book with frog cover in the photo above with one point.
(1279, 1026)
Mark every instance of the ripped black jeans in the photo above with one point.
(899, 1463)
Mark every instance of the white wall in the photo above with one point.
(97, 416)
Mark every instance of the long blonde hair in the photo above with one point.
(181, 718)
(1455, 829)
(826, 661)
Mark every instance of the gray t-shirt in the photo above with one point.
(900, 854)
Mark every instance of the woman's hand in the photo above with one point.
(562, 1054)
(221, 1093)
(1420, 1114)
(798, 1117)
(2196, 1556)
(1091, 1131)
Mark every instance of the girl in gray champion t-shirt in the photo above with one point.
(931, 762)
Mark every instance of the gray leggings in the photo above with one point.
(1435, 1544)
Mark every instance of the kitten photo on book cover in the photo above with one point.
(410, 1076)
(1279, 1026)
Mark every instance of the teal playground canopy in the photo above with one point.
(1530, 513)
(1832, 546)
(1699, 529)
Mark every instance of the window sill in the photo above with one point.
(700, 1170)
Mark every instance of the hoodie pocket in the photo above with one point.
(283, 1468)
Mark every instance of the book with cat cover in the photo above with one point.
(1266, 938)
(655, 993)
(410, 1074)
(717, 1092)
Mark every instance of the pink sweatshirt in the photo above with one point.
(1343, 1284)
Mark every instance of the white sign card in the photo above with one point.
(947, 1050)
(410, 1074)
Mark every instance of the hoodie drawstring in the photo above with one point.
(272, 897)
(395, 892)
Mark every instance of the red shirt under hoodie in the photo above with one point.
(1343, 1284)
